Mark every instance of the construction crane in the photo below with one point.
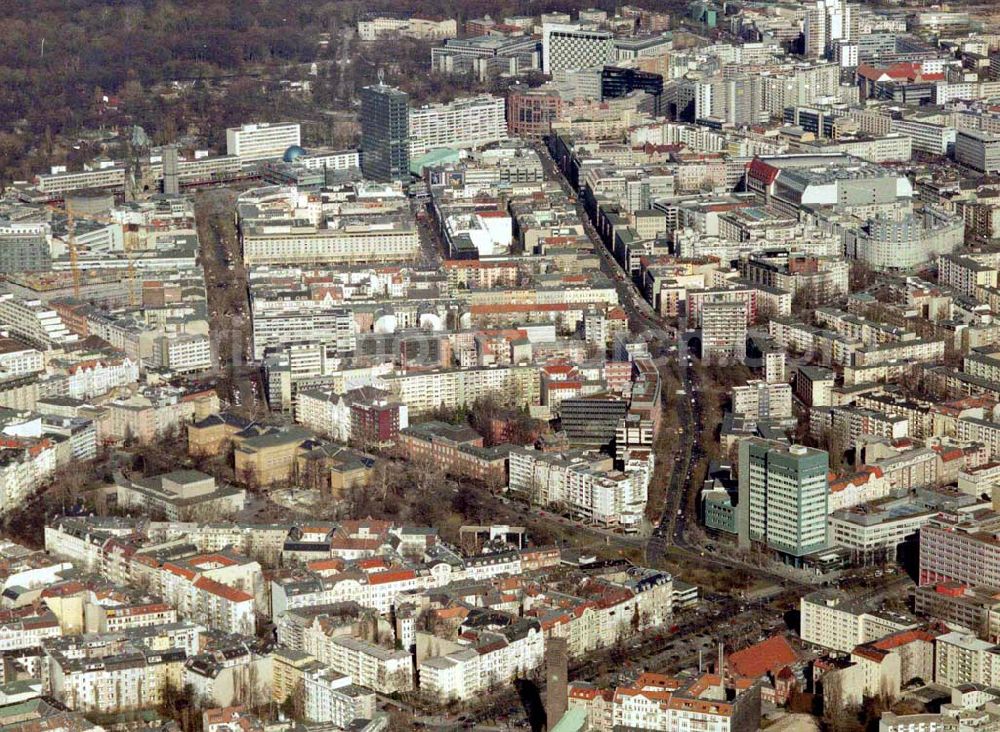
(130, 233)
(129, 236)
(74, 263)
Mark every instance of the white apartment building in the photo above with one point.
(225, 608)
(34, 322)
(775, 366)
(832, 620)
(66, 539)
(452, 677)
(973, 429)
(568, 46)
(761, 400)
(371, 240)
(183, 353)
(596, 493)
(906, 241)
(377, 591)
(330, 160)
(979, 480)
(262, 141)
(424, 392)
(463, 674)
(723, 331)
(893, 147)
(965, 659)
(325, 412)
(133, 679)
(92, 378)
(18, 360)
(204, 598)
(28, 632)
(654, 702)
(967, 273)
(369, 665)
(331, 698)
(471, 122)
(915, 351)
(851, 424)
(21, 472)
(868, 485)
(314, 337)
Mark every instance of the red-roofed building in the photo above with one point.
(764, 658)
(882, 667)
(660, 702)
(221, 606)
(872, 79)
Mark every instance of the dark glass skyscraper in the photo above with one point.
(618, 82)
(385, 144)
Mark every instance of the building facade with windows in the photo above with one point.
(385, 130)
(262, 141)
(784, 492)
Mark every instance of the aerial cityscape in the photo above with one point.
(550, 365)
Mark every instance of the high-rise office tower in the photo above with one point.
(568, 46)
(385, 143)
(783, 496)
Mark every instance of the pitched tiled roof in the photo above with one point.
(764, 657)
(224, 591)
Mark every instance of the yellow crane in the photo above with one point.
(130, 233)
(74, 263)
(129, 236)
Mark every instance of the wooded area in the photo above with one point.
(59, 59)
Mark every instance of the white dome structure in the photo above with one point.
(386, 324)
(431, 321)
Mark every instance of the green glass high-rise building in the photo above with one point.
(385, 133)
(783, 497)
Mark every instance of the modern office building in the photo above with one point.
(56, 184)
(263, 141)
(783, 495)
(620, 82)
(567, 46)
(978, 150)
(643, 46)
(24, 251)
(592, 420)
(487, 56)
(385, 130)
(532, 110)
(960, 547)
